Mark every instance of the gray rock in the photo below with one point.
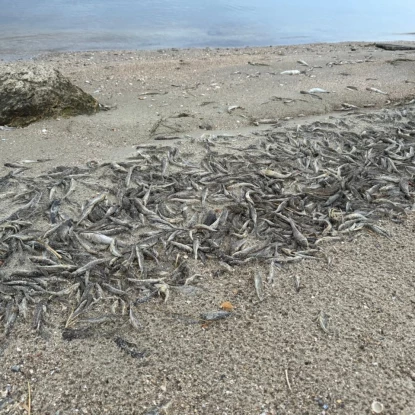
(32, 93)
(15, 368)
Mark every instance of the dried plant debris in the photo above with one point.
(106, 238)
(130, 348)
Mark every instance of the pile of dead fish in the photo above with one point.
(123, 233)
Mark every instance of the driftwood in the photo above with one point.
(391, 46)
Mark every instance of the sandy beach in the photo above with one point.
(270, 357)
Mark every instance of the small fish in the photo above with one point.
(113, 290)
(233, 107)
(113, 249)
(54, 209)
(271, 274)
(257, 64)
(71, 189)
(275, 174)
(128, 177)
(97, 238)
(377, 90)
(10, 317)
(297, 235)
(38, 316)
(311, 94)
(196, 244)
(89, 265)
(133, 319)
(318, 91)
(182, 247)
(297, 283)
(259, 285)
(323, 320)
(215, 315)
(291, 72)
(91, 204)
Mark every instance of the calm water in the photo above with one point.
(28, 27)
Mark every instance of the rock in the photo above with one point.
(32, 93)
(15, 368)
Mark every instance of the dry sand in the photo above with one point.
(270, 357)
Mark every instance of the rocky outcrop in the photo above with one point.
(32, 93)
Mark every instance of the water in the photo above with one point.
(29, 27)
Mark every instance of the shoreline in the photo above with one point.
(145, 87)
(8, 55)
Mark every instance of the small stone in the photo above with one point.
(15, 368)
(377, 407)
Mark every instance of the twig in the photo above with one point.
(29, 403)
(288, 381)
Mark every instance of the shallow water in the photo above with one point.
(28, 27)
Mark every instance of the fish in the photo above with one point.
(269, 199)
(133, 319)
(90, 205)
(215, 315)
(318, 91)
(376, 90)
(259, 285)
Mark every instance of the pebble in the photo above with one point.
(15, 368)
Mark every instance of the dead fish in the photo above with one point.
(258, 64)
(89, 265)
(38, 316)
(97, 238)
(323, 320)
(91, 204)
(114, 290)
(71, 189)
(233, 107)
(377, 90)
(297, 235)
(275, 174)
(291, 72)
(259, 285)
(311, 94)
(271, 274)
(147, 93)
(134, 320)
(10, 316)
(54, 209)
(349, 106)
(215, 315)
(318, 91)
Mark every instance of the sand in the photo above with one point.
(267, 358)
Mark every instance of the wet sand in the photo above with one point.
(269, 358)
(189, 89)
